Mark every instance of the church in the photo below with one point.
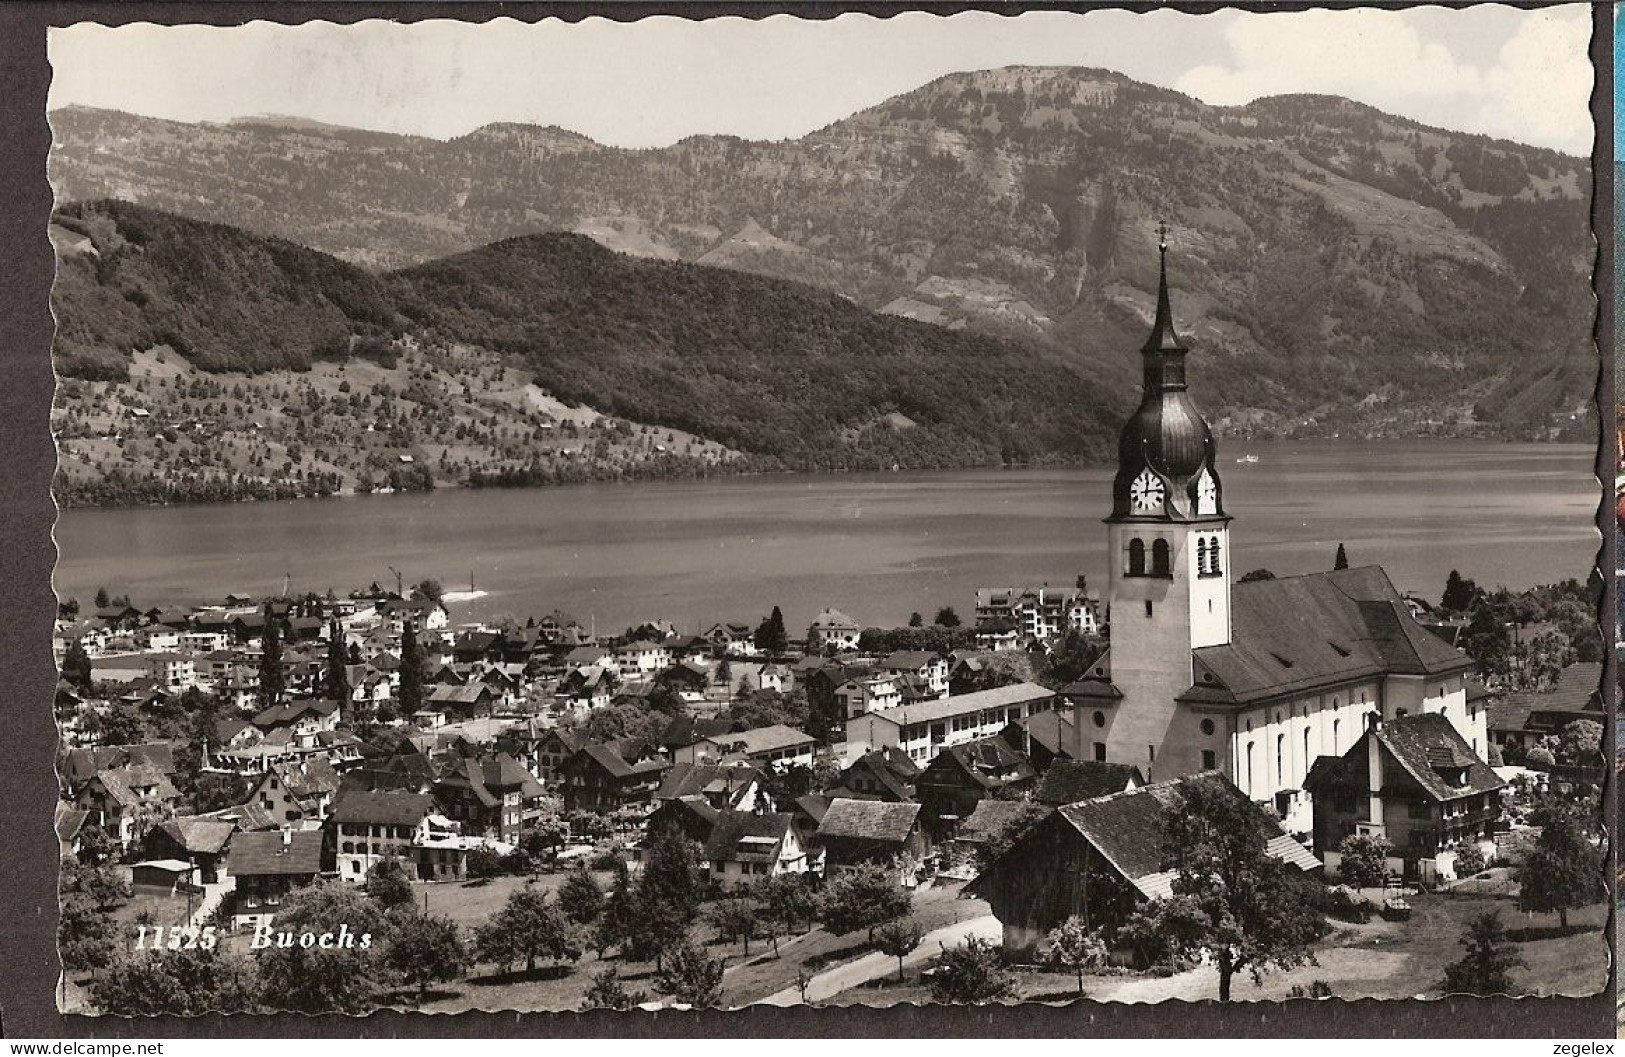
(1256, 679)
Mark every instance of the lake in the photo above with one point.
(877, 546)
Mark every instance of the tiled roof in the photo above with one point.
(765, 739)
(1423, 744)
(1578, 689)
(733, 827)
(272, 852)
(382, 808)
(686, 779)
(198, 834)
(1068, 781)
(1295, 633)
(1127, 829)
(872, 820)
(990, 762)
(989, 817)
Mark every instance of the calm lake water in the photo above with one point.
(877, 546)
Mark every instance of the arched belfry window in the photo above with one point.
(1161, 564)
(1201, 556)
(1211, 566)
(1136, 557)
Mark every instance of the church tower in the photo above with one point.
(1169, 547)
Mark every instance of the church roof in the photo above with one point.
(1296, 633)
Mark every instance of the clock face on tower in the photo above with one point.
(1145, 494)
(1207, 494)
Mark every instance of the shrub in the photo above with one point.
(1469, 859)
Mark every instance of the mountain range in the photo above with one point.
(1336, 269)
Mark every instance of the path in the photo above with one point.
(871, 966)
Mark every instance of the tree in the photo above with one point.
(481, 863)
(1255, 575)
(103, 885)
(864, 898)
(85, 939)
(618, 916)
(1579, 743)
(947, 618)
(579, 897)
(430, 591)
(898, 938)
(1540, 758)
(1459, 593)
(735, 918)
(971, 973)
(1231, 899)
(1015, 826)
(335, 980)
(1364, 860)
(1342, 559)
(337, 682)
(527, 927)
(690, 976)
(76, 667)
(412, 673)
(1469, 859)
(915, 620)
(669, 877)
(387, 884)
(271, 673)
(176, 983)
(787, 899)
(770, 636)
(1563, 873)
(607, 992)
(423, 950)
(1073, 945)
(1487, 641)
(102, 601)
(1486, 968)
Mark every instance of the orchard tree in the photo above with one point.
(387, 884)
(185, 982)
(899, 938)
(1074, 945)
(864, 898)
(690, 976)
(579, 897)
(1231, 900)
(527, 928)
(787, 899)
(735, 918)
(424, 950)
(607, 992)
(333, 980)
(1563, 873)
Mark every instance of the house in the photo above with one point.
(683, 731)
(930, 668)
(923, 730)
(776, 746)
(643, 655)
(540, 748)
(867, 692)
(487, 796)
(832, 631)
(474, 701)
(1043, 737)
(1413, 781)
(998, 635)
(691, 816)
(1099, 859)
(127, 801)
(746, 846)
(266, 866)
(990, 819)
(735, 640)
(299, 721)
(200, 842)
(369, 827)
(605, 776)
(70, 827)
(881, 774)
(79, 765)
(297, 792)
(855, 833)
(1069, 781)
(1519, 721)
(732, 786)
(581, 658)
(588, 687)
(962, 776)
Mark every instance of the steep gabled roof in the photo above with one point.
(1295, 633)
(1432, 751)
(382, 808)
(273, 852)
(745, 835)
(990, 762)
(871, 820)
(1069, 781)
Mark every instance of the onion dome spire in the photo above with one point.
(1163, 338)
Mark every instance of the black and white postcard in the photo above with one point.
(725, 511)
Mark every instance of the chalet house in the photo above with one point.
(962, 776)
(689, 815)
(473, 646)
(1043, 738)
(881, 774)
(1414, 781)
(297, 793)
(200, 842)
(604, 776)
(540, 748)
(556, 629)
(127, 801)
(725, 787)
(1100, 859)
(588, 687)
(474, 701)
(79, 765)
(924, 730)
(745, 847)
(1069, 781)
(822, 676)
(551, 752)
(854, 833)
(582, 658)
(1520, 721)
(930, 668)
(300, 721)
(266, 867)
(370, 827)
(998, 635)
(867, 692)
(487, 797)
(735, 640)
(832, 631)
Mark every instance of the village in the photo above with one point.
(1194, 785)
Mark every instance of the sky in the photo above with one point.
(1519, 75)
